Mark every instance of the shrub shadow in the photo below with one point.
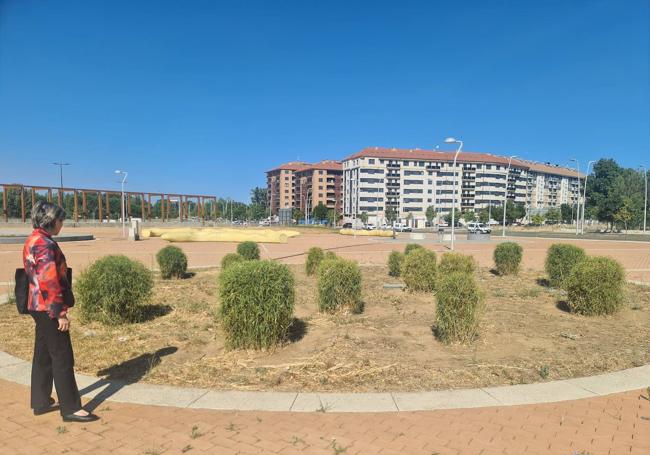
(121, 374)
(151, 312)
(543, 282)
(563, 305)
(188, 275)
(494, 272)
(297, 330)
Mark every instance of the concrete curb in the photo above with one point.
(16, 370)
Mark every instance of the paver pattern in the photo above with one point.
(613, 425)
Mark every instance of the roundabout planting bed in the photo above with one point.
(525, 335)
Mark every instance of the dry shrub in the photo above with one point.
(395, 263)
(459, 307)
(413, 247)
(248, 250)
(419, 270)
(113, 290)
(456, 262)
(560, 260)
(172, 262)
(339, 286)
(314, 257)
(257, 300)
(229, 259)
(507, 258)
(596, 286)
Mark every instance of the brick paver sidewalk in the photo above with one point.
(615, 424)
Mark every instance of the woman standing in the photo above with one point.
(50, 296)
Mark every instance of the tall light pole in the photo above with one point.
(584, 199)
(505, 196)
(451, 140)
(124, 175)
(645, 203)
(578, 201)
(61, 170)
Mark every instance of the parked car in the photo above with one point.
(479, 228)
(369, 227)
(265, 223)
(347, 226)
(399, 227)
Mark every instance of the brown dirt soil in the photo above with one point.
(525, 337)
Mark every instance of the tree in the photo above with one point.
(484, 216)
(297, 214)
(537, 220)
(258, 196)
(320, 212)
(469, 216)
(566, 213)
(430, 214)
(364, 217)
(409, 218)
(623, 215)
(553, 215)
(497, 214)
(391, 215)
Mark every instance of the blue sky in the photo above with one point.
(204, 96)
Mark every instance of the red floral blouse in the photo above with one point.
(46, 269)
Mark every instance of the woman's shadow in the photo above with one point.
(125, 373)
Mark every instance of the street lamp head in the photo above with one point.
(450, 140)
(117, 171)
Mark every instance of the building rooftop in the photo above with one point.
(463, 157)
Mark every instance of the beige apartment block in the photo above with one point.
(411, 180)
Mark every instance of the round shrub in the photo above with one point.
(257, 299)
(412, 247)
(248, 250)
(395, 263)
(595, 286)
(339, 286)
(172, 262)
(560, 260)
(113, 290)
(459, 307)
(507, 258)
(456, 262)
(314, 257)
(330, 255)
(419, 270)
(229, 259)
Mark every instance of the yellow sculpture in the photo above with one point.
(220, 235)
(359, 232)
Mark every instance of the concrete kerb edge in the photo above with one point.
(15, 370)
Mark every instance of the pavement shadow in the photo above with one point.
(122, 374)
(297, 330)
(563, 305)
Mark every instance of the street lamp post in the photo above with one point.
(451, 140)
(61, 171)
(505, 197)
(124, 175)
(645, 200)
(578, 198)
(584, 199)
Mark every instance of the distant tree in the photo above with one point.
(553, 215)
(257, 212)
(391, 215)
(623, 215)
(409, 218)
(258, 196)
(484, 216)
(469, 216)
(430, 214)
(497, 214)
(566, 213)
(364, 217)
(320, 212)
(537, 220)
(296, 214)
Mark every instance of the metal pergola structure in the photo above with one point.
(205, 205)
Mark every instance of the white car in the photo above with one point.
(399, 227)
(479, 228)
(369, 227)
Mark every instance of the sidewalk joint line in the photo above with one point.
(200, 396)
(298, 393)
(392, 396)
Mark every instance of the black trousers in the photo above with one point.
(53, 360)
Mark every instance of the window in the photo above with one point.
(320, 180)
(406, 163)
(430, 182)
(371, 161)
(320, 187)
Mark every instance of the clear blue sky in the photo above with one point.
(204, 96)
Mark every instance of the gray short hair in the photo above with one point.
(45, 214)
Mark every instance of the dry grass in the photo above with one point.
(389, 347)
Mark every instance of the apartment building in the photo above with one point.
(410, 180)
(302, 185)
(280, 184)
